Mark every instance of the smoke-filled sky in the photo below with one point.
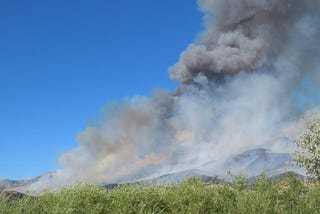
(243, 81)
(62, 61)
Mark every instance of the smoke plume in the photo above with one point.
(238, 81)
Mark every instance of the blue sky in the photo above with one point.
(62, 61)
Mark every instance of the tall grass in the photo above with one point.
(192, 196)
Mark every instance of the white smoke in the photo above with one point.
(235, 95)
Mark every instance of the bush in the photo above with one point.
(192, 196)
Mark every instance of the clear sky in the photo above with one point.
(61, 61)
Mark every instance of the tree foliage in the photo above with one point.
(308, 155)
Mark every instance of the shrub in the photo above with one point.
(192, 196)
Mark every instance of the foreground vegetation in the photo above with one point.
(193, 196)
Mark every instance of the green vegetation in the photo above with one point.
(288, 195)
(309, 143)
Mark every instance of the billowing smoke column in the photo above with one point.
(251, 35)
(236, 94)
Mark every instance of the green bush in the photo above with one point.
(288, 195)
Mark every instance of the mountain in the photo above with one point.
(8, 185)
(178, 177)
(257, 161)
(251, 163)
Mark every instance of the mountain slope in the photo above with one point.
(252, 163)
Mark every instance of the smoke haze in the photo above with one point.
(236, 94)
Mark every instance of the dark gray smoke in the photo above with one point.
(250, 35)
(236, 89)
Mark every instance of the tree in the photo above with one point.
(308, 155)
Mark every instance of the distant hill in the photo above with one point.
(251, 163)
(8, 183)
(178, 177)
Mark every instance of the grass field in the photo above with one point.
(288, 195)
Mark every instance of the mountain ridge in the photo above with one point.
(251, 163)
